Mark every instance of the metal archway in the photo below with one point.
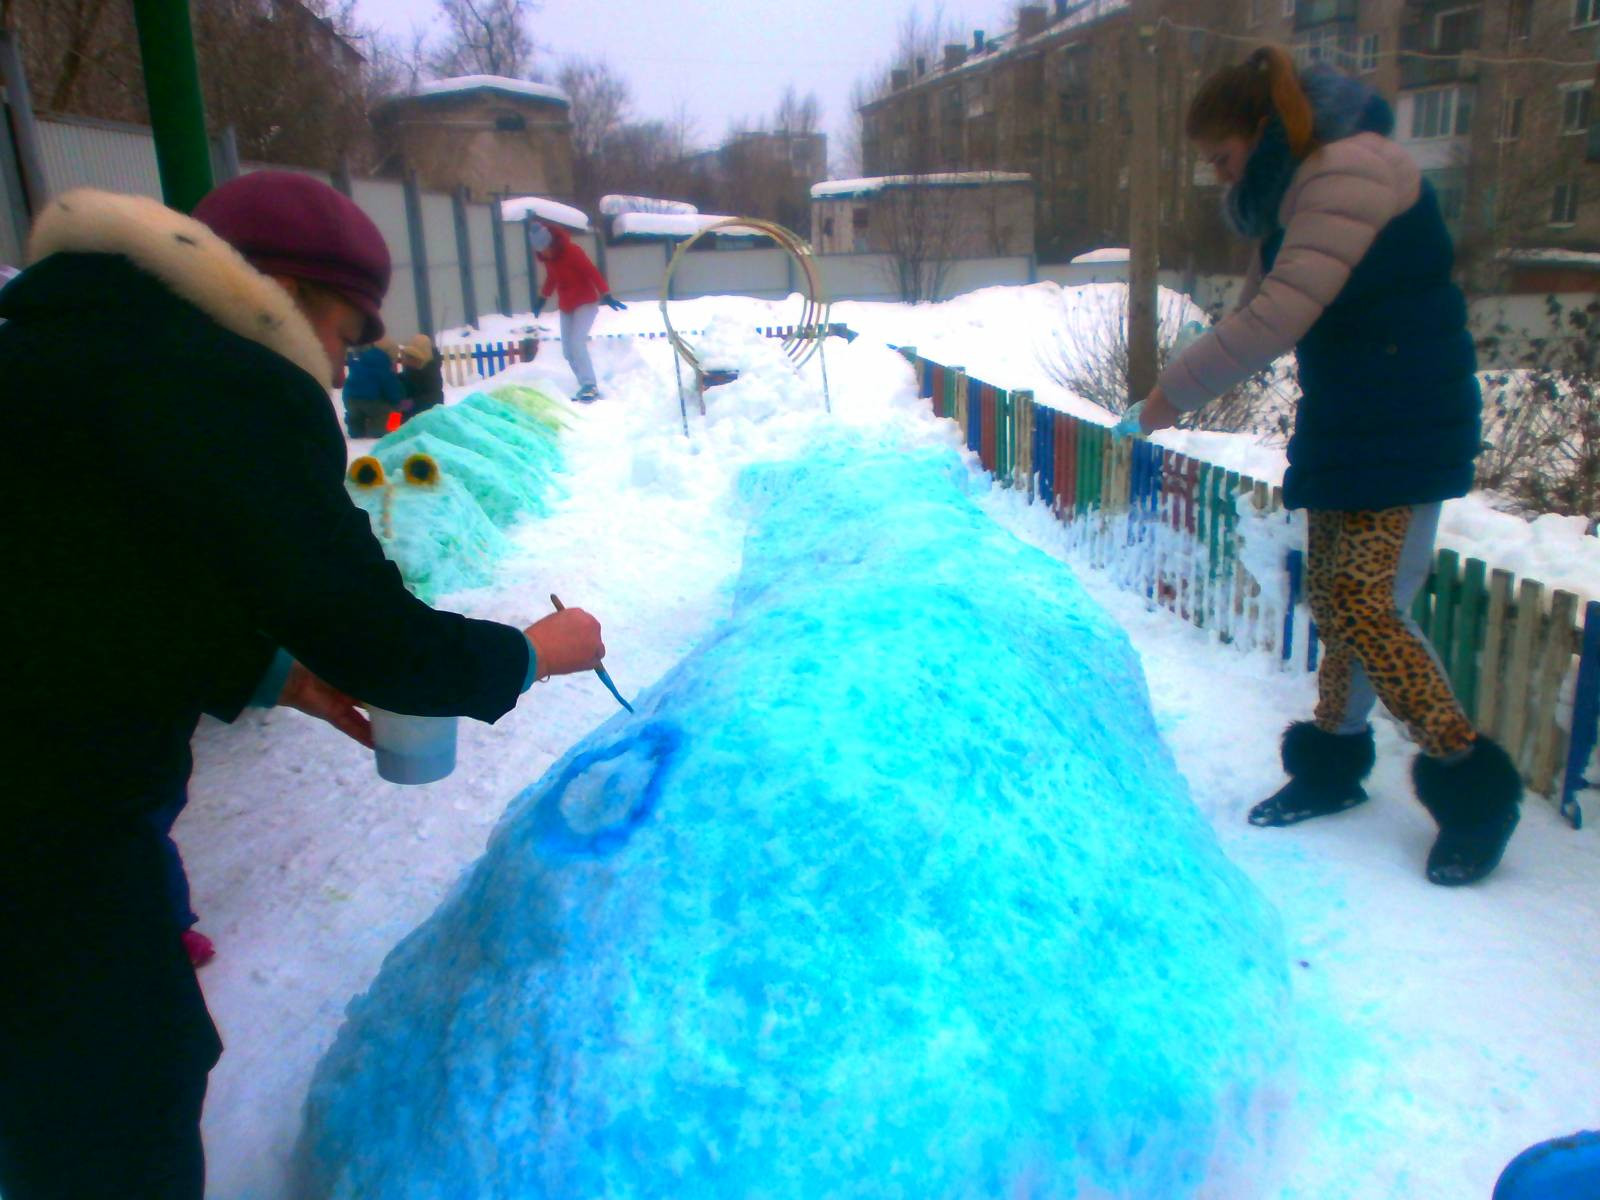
(799, 343)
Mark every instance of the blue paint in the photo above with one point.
(890, 889)
(1585, 717)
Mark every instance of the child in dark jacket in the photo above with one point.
(371, 389)
(580, 290)
(1352, 272)
(421, 375)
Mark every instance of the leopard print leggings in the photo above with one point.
(1350, 577)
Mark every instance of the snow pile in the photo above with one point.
(835, 189)
(615, 206)
(1110, 254)
(497, 457)
(543, 209)
(889, 888)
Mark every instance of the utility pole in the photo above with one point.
(177, 111)
(1143, 205)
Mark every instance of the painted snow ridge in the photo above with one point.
(495, 459)
(889, 889)
(459, 84)
(544, 209)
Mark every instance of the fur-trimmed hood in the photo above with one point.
(191, 260)
(1341, 107)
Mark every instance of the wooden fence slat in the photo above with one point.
(1469, 634)
(1524, 632)
(1555, 660)
(1446, 593)
(1492, 670)
(958, 410)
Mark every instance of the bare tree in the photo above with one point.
(918, 225)
(486, 37)
(286, 74)
(1542, 417)
(600, 109)
(1088, 355)
(396, 65)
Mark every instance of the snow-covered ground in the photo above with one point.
(1440, 1031)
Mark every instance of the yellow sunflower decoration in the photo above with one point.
(422, 470)
(366, 472)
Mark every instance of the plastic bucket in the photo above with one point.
(413, 749)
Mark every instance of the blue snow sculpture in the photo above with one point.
(890, 889)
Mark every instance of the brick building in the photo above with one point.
(488, 134)
(1504, 143)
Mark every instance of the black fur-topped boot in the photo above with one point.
(1325, 772)
(1474, 802)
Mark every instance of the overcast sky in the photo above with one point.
(723, 60)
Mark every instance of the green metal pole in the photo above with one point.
(177, 110)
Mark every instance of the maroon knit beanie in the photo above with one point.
(290, 224)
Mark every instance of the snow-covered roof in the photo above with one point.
(546, 210)
(615, 206)
(678, 225)
(1555, 256)
(492, 83)
(1107, 254)
(835, 188)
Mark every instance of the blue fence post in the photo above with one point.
(1585, 716)
(1311, 646)
(1044, 440)
(1293, 564)
(974, 414)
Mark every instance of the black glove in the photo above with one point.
(611, 301)
(538, 306)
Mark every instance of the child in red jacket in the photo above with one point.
(580, 290)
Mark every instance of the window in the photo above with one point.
(858, 218)
(1576, 99)
(1322, 46)
(1367, 60)
(1255, 12)
(1519, 21)
(1585, 12)
(827, 227)
(978, 97)
(509, 123)
(1441, 113)
(1455, 29)
(1510, 118)
(1288, 8)
(1564, 204)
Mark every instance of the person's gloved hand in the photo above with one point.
(538, 306)
(1129, 425)
(611, 301)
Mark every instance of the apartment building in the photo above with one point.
(1493, 99)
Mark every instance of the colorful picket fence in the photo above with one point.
(463, 363)
(1188, 535)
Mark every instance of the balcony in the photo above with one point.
(1308, 14)
(1427, 72)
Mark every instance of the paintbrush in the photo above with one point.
(605, 676)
